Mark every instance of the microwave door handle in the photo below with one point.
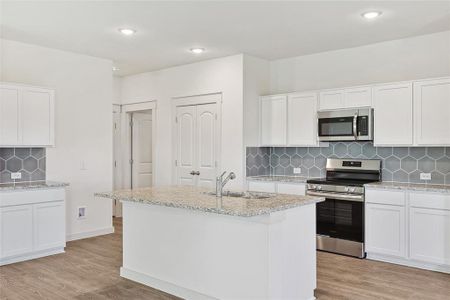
(355, 126)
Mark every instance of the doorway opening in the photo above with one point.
(134, 148)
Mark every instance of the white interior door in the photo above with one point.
(142, 149)
(206, 145)
(196, 145)
(186, 142)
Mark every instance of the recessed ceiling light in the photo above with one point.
(197, 50)
(127, 31)
(115, 69)
(371, 14)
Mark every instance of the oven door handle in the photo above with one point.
(355, 126)
(346, 197)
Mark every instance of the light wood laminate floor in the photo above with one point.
(90, 270)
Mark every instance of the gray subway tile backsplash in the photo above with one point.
(399, 164)
(31, 162)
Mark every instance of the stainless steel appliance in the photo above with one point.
(346, 125)
(340, 219)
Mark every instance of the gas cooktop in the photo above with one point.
(345, 182)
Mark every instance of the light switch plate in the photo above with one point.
(297, 170)
(16, 175)
(425, 176)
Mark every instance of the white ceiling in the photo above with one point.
(167, 29)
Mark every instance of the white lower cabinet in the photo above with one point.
(277, 187)
(409, 228)
(385, 229)
(32, 224)
(48, 221)
(16, 228)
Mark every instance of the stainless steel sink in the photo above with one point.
(245, 195)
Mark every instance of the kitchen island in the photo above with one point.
(183, 241)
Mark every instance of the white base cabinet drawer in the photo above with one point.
(385, 229)
(263, 187)
(277, 187)
(291, 189)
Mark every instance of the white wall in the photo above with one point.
(83, 87)
(256, 83)
(397, 60)
(222, 75)
(116, 90)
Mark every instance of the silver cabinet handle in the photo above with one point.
(195, 173)
(192, 173)
(355, 126)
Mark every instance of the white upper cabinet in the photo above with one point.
(358, 97)
(432, 112)
(393, 116)
(332, 99)
(273, 120)
(345, 98)
(26, 116)
(9, 115)
(302, 119)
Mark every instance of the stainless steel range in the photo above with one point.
(340, 219)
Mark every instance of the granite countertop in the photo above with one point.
(31, 185)
(279, 178)
(197, 199)
(410, 186)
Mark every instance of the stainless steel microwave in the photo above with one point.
(346, 125)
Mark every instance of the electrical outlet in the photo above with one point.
(16, 175)
(297, 170)
(425, 176)
(82, 212)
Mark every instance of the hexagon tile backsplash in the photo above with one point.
(399, 164)
(28, 161)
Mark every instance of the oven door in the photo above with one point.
(340, 226)
(338, 125)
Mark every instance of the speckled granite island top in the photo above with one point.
(279, 178)
(31, 185)
(409, 186)
(197, 199)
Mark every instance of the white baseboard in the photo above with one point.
(29, 256)
(409, 263)
(89, 234)
(163, 285)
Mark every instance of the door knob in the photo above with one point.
(193, 173)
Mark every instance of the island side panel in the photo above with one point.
(292, 253)
(196, 255)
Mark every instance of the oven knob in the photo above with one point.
(319, 187)
(352, 190)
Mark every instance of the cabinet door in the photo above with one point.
(273, 120)
(16, 230)
(358, 97)
(430, 235)
(9, 116)
(49, 225)
(393, 114)
(302, 119)
(331, 100)
(385, 229)
(37, 117)
(432, 111)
